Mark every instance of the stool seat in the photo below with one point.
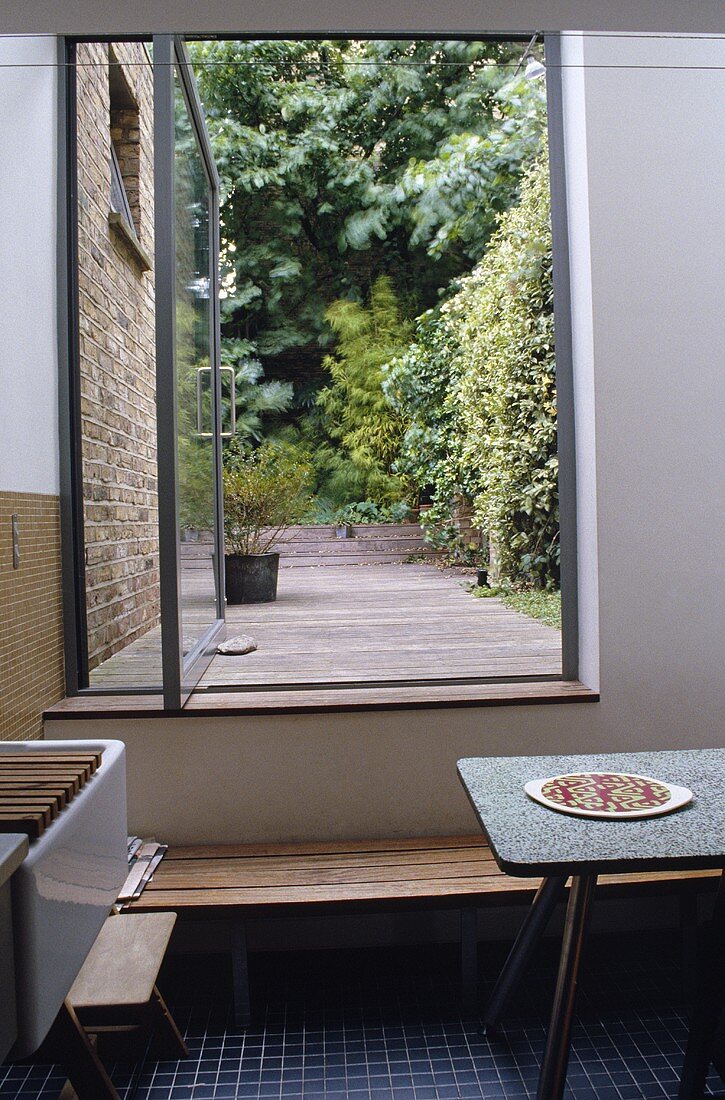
(122, 966)
(115, 997)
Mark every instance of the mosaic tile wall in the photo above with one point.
(31, 619)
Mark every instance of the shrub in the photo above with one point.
(265, 492)
(477, 387)
(365, 430)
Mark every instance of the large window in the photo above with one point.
(387, 329)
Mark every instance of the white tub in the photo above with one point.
(65, 887)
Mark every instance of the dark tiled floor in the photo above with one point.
(383, 1025)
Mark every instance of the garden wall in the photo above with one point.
(117, 361)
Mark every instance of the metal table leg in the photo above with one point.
(709, 1004)
(547, 896)
(552, 1076)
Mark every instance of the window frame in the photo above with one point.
(70, 415)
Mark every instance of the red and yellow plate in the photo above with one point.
(608, 794)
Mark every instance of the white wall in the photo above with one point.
(655, 147)
(647, 237)
(109, 17)
(28, 355)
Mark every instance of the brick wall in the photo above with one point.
(31, 614)
(118, 390)
(126, 138)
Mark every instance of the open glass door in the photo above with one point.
(188, 386)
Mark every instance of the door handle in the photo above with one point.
(232, 403)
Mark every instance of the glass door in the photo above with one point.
(188, 376)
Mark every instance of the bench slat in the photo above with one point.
(326, 848)
(268, 876)
(236, 897)
(357, 863)
(213, 875)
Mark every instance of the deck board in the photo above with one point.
(363, 624)
(380, 622)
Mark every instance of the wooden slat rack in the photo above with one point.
(36, 787)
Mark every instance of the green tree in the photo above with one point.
(342, 161)
(361, 423)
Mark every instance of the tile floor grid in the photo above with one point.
(383, 1025)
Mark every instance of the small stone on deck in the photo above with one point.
(237, 646)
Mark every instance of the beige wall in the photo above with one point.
(117, 361)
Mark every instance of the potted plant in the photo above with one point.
(266, 491)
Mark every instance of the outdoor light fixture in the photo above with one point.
(534, 69)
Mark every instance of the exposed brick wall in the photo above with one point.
(31, 614)
(118, 390)
(126, 138)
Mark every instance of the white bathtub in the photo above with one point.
(63, 890)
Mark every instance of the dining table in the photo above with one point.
(531, 838)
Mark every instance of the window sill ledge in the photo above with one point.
(119, 224)
(220, 704)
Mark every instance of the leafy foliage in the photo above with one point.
(257, 403)
(362, 181)
(265, 492)
(537, 604)
(477, 386)
(365, 429)
(359, 511)
(343, 161)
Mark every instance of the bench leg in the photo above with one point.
(547, 896)
(552, 1076)
(240, 974)
(688, 940)
(469, 959)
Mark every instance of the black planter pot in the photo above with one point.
(251, 578)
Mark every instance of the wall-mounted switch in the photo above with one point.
(16, 541)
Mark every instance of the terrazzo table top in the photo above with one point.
(528, 839)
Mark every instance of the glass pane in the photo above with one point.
(193, 377)
(117, 364)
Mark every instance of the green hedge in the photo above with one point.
(477, 388)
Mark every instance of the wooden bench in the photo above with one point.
(458, 872)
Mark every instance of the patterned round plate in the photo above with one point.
(608, 794)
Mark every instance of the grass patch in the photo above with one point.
(537, 604)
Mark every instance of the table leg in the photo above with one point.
(552, 1076)
(700, 1050)
(547, 897)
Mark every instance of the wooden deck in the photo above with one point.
(350, 624)
(376, 623)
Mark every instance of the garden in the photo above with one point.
(387, 297)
